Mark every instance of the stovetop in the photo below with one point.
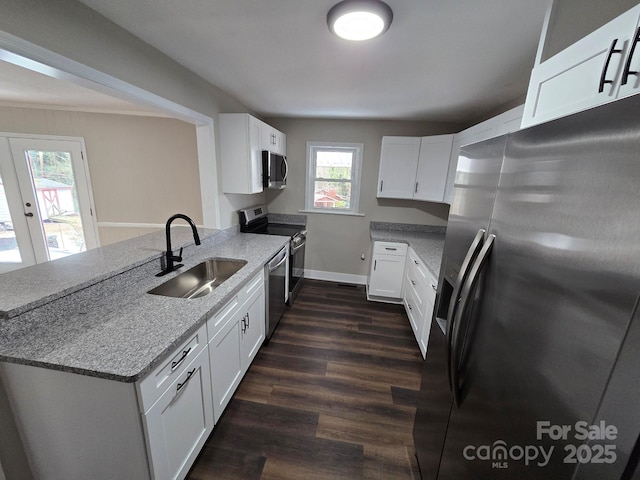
(284, 229)
(255, 220)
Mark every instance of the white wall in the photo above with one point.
(573, 19)
(143, 169)
(70, 29)
(336, 242)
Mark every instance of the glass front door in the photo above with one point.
(47, 211)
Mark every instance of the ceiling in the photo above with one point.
(441, 60)
(20, 86)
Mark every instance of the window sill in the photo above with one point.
(350, 214)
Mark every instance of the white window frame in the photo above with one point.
(357, 149)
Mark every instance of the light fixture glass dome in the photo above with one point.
(359, 19)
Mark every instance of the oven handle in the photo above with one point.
(298, 247)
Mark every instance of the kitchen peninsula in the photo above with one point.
(103, 377)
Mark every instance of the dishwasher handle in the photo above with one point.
(277, 266)
(276, 262)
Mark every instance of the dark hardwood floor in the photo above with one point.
(331, 396)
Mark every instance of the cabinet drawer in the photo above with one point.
(414, 309)
(390, 248)
(215, 323)
(180, 421)
(417, 266)
(254, 284)
(154, 384)
(222, 316)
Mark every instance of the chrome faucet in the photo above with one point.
(168, 255)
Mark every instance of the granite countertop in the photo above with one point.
(112, 328)
(426, 240)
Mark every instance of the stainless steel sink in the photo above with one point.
(200, 280)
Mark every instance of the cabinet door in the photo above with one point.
(180, 421)
(398, 164)
(386, 276)
(226, 363)
(458, 140)
(272, 139)
(570, 81)
(240, 153)
(253, 327)
(429, 303)
(433, 165)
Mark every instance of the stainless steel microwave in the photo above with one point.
(274, 170)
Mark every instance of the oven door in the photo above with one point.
(274, 170)
(296, 266)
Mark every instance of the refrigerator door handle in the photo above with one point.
(472, 253)
(465, 303)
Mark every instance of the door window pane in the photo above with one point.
(9, 251)
(54, 182)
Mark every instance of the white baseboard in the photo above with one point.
(335, 277)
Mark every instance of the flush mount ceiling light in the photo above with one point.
(359, 19)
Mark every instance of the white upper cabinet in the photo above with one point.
(414, 167)
(240, 153)
(398, 163)
(600, 68)
(433, 165)
(272, 139)
(242, 139)
(506, 122)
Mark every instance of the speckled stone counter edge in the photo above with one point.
(19, 288)
(287, 218)
(427, 241)
(407, 227)
(96, 301)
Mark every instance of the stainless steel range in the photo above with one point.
(255, 220)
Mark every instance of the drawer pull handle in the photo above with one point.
(410, 307)
(435, 289)
(627, 66)
(416, 262)
(186, 380)
(413, 283)
(603, 77)
(393, 249)
(175, 364)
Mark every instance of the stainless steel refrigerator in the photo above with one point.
(533, 364)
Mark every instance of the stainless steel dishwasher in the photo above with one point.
(277, 288)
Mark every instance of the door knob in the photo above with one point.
(28, 214)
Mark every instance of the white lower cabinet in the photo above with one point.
(178, 424)
(419, 298)
(78, 426)
(236, 332)
(226, 363)
(387, 270)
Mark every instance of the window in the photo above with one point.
(333, 177)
